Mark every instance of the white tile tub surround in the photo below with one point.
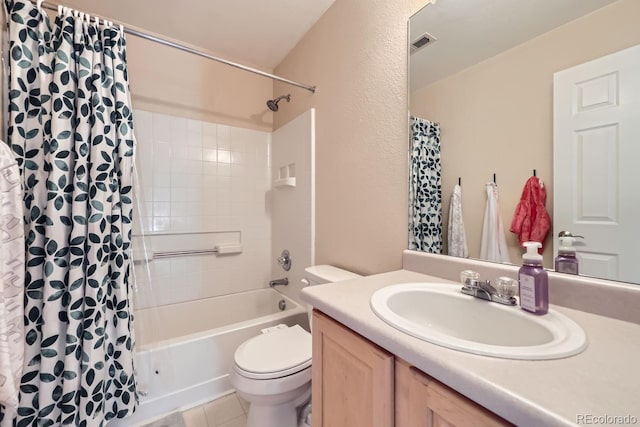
(201, 185)
(201, 177)
(293, 219)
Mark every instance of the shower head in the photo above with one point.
(273, 103)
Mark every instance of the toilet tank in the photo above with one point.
(319, 274)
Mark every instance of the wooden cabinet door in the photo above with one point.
(352, 382)
(421, 401)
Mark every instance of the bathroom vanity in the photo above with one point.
(362, 385)
(367, 373)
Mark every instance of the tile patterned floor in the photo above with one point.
(228, 411)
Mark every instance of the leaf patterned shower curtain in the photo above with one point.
(70, 128)
(425, 188)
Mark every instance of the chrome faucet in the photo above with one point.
(278, 282)
(483, 290)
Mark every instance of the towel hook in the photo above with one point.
(459, 181)
(494, 178)
(534, 173)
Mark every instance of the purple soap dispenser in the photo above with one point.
(566, 261)
(534, 281)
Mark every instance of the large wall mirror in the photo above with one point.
(484, 70)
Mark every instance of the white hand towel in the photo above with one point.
(457, 235)
(494, 244)
(11, 281)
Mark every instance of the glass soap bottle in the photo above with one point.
(534, 281)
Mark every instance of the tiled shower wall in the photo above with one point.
(293, 221)
(207, 184)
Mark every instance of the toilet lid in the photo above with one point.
(283, 351)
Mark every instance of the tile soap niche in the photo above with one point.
(286, 176)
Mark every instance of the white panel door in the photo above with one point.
(597, 163)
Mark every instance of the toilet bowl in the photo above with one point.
(272, 371)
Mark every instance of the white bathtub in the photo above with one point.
(185, 350)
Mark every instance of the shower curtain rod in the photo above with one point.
(138, 32)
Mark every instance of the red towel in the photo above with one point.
(531, 221)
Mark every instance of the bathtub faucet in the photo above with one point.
(277, 282)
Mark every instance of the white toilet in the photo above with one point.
(273, 371)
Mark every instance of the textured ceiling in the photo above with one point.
(258, 33)
(470, 31)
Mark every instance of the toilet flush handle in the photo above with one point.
(305, 282)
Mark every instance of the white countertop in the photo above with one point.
(604, 380)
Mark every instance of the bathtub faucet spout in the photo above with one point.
(278, 282)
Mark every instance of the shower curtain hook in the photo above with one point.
(39, 5)
(60, 10)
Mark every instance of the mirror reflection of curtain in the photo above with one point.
(457, 236)
(425, 188)
(71, 130)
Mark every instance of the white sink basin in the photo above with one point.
(441, 314)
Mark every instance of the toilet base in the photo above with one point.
(283, 415)
(273, 416)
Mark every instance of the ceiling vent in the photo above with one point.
(422, 41)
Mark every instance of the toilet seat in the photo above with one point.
(275, 354)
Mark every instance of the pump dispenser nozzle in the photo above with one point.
(566, 243)
(532, 256)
